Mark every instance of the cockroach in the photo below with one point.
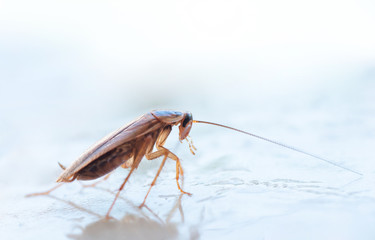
(127, 146)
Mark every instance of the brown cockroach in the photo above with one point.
(127, 146)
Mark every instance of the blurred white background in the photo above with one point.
(302, 72)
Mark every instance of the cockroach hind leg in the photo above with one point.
(46, 192)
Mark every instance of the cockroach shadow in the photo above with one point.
(145, 225)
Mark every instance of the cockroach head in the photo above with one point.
(185, 125)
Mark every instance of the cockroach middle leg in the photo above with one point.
(140, 149)
(154, 181)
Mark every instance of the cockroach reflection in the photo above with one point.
(127, 146)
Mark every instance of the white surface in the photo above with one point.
(303, 74)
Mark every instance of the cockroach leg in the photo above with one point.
(164, 151)
(179, 172)
(161, 152)
(118, 193)
(44, 193)
(154, 181)
(191, 145)
(139, 151)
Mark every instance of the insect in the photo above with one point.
(127, 146)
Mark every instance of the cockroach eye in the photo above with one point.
(188, 118)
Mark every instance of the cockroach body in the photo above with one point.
(127, 146)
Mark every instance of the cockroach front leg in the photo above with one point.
(164, 151)
(191, 145)
(179, 172)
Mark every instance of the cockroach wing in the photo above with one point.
(143, 125)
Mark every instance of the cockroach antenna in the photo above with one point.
(282, 145)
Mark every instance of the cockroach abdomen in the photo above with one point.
(105, 163)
